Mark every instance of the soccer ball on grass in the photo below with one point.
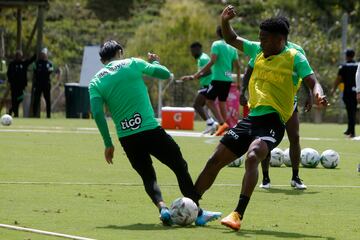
(6, 120)
(310, 158)
(183, 211)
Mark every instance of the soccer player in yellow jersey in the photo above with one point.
(272, 88)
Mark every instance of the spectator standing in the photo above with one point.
(42, 83)
(17, 77)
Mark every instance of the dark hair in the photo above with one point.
(196, 45)
(109, 49)
(275, 25)
(350, 53)
(286, 21)
(219, 32)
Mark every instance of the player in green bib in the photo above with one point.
(272, 89)
(205, 80)
(224, 58)
(120, 86)
(292, 127)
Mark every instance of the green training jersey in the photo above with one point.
(201, 62)
(301, 69)
(222, 68)
(121, 87)
(289, 44)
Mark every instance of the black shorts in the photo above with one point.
(203, 90)
(268, 128)
(218, 89)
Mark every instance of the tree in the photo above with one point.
(180, 23)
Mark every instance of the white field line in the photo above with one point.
(44, 232)
(171, 132)
(164, 185)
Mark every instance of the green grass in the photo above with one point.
(125, 212)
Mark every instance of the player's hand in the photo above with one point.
(358, 97)
(321, 100)
(243, 100)
(153, 57)
(228, 13)
(187, 78)
(308, 103)
(109, 154)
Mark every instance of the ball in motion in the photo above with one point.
(287, 160)
(6, 120)
(329, 159)
(310, 158)
(277, 157)
(183, 211)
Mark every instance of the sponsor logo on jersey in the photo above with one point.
(133, 123)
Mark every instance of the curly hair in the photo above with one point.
(276, 25)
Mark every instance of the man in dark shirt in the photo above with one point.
(17, 78)
(346, 75)
(42, 84)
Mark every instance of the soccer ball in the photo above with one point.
(310, 158)
(277, 157)
(329, 159)
(287, 160)
(183, 211)
(237, 162)
(6, 120)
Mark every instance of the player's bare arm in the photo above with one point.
(236, 66)
(229, 34)
(316, 89)
(207, 67)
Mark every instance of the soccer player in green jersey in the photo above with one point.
(224, 59)
(292, 126)
(200, 100)
(272, 88)
(121, 87)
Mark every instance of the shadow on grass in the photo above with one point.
(289, 191)
(144, 227)
(278, 234)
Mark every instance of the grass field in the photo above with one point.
(53, 177)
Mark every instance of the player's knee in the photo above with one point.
(257, 153)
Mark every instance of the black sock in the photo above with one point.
(242, 204)
(295, 173)
(266, 175)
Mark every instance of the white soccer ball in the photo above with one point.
(183, 211)
(310, 158)
(329, 159)
(277, 157)
(287, 160)
(6, 120)
(237, 162)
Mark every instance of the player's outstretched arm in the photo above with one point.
(228, 32)
(153, 67)
(97, 109)
(206, 70)
(316, 89)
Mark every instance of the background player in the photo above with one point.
(121, 87)
(346, 75)
(200, 100)
(272, 89)
(224, 59)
